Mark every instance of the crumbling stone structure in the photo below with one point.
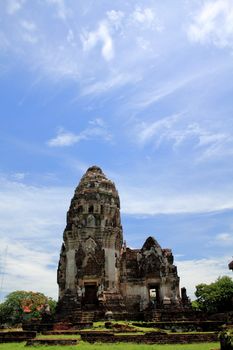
(97, 271)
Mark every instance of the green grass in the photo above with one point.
(58, 336)
(119, 346)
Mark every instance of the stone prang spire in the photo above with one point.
(96, 272)
(89, 260)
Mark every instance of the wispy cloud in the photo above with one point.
(62, 11)
(114, 81)
(80, 51)
(178, 129)
(146, 16)
(147, 99)
(213, 24)
(115, 18)
(96, 130)
(162, 127)
(223, 239)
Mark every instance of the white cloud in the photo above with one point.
(32, 220)
(116, 80)
(97, 122)
(69, 52)
(29, 268)
(224, 239)
(213, 24)
(177, 130)
(18, 176)
(164, 200)
(13, 6)
(220, 145)
(143, 16)
(154, 95)
(29, 31)
(115, 18)
(96, 130)
(161, 127)
(102, 34)
(65, 138)
(194, 272)
(29, 211)
(143, 43)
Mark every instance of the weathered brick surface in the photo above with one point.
(33, 342)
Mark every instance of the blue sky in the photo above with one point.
(142, 89)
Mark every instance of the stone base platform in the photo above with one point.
(15, 337)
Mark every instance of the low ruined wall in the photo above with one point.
(174, 314)
(150, 338)
(183, 326)
(38, 327)
(41, 342)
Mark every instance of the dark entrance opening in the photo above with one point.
(90, 300)
(154, 295)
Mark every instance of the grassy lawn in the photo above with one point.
(119, 346)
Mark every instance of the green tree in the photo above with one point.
(24, 306)
(215, 297)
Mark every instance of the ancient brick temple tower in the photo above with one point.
(96, 272)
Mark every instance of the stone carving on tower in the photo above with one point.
(95, 271)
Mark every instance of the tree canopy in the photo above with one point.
(22, 306)
(215, 297)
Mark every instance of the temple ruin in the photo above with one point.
(98, 273)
